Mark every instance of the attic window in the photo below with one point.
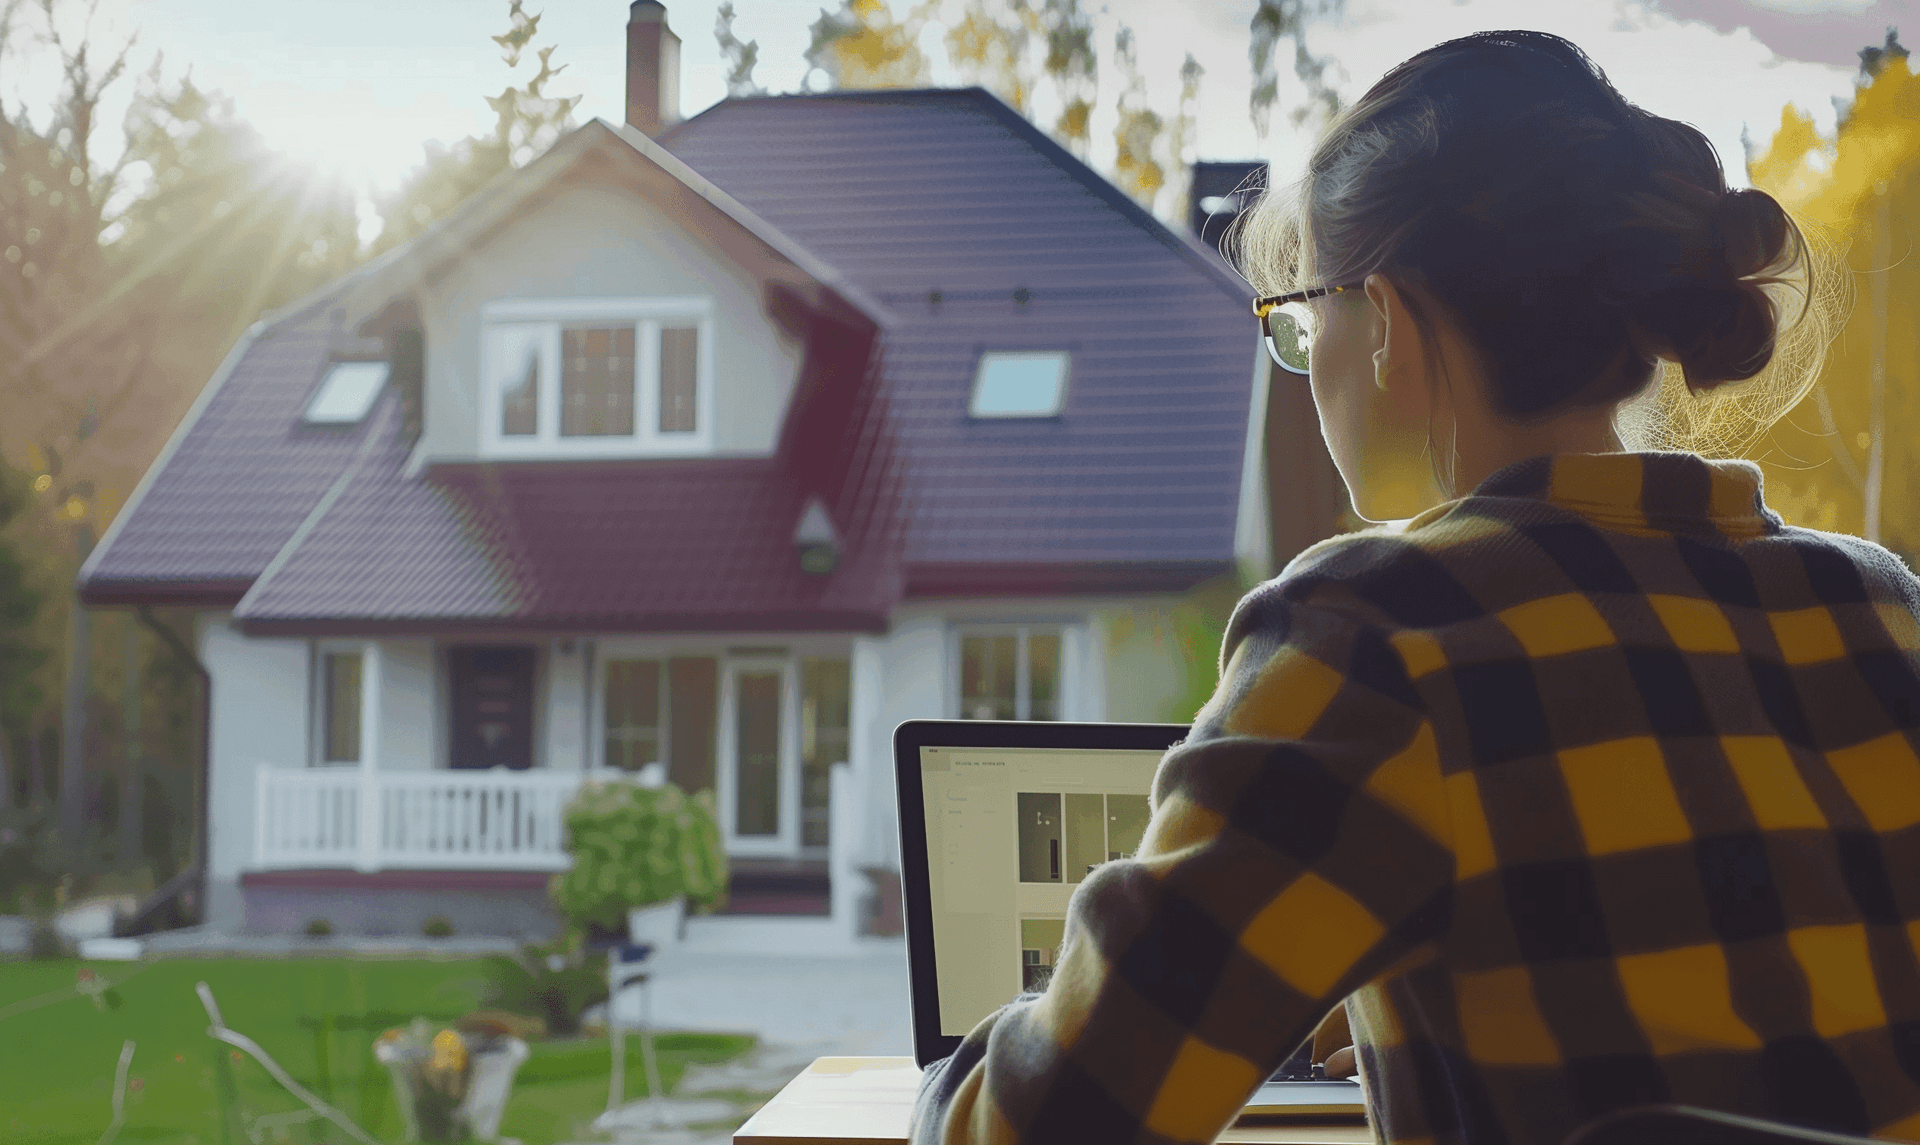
(346, 393)
(1023, 384)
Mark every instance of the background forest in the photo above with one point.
(124, 284)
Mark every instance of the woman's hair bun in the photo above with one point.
(1710, 313)
(1752, 229)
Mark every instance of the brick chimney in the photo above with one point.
(653, 68)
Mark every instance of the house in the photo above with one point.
(707, 450)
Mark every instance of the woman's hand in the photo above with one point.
(1342, 1063)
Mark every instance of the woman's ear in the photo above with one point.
(1398, 353)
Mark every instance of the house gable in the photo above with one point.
(594, 256)
(246, 476)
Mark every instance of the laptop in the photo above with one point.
(999, 824)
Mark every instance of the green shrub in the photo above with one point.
(439, 926)
(635, 846)
(529, 984)
(319, 928)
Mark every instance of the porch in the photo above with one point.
(326, 837)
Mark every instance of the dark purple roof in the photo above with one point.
(1133, 488)
(1136, 484)
(227, 497)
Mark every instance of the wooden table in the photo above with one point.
(867, 1101)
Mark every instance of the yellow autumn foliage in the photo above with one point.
(1859, 192)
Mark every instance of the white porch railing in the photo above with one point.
(495, 820)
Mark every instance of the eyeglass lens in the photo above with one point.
(1287, 340)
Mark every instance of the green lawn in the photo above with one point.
(317, 1017)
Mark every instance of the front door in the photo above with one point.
(492, 706)
(759, 786)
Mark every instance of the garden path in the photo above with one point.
(801, 1007)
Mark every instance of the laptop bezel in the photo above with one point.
(916, 888)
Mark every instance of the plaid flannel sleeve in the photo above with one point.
(1298, 847)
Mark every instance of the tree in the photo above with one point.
(1019, 49)
(121, 286)
(993, 51)
(1276, 20)
(863, 46)
(1181, 134)
(1137, 134)
(20, 655)
(740, 57)
(527, 122)
(1833, 461)
(994, 45)
(1072, 66)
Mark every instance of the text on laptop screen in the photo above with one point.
(1011, 834)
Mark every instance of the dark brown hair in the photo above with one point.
(1574, 238)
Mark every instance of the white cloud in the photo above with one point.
(1816, 7)
(1683, 70)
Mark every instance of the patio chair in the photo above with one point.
(626, 967)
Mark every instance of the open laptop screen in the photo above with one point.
(1006, 832)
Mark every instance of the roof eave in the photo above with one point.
(866, 622)
(154, 593)
(931, 580)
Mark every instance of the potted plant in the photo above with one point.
(452, 1085)
(641, 856)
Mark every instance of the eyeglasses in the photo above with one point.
(1284, 324)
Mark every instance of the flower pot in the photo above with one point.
(491, 1083)
(659, 924)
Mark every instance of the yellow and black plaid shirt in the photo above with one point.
(1595, 788)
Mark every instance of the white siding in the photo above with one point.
(910, 671)
(259, 719)
(407, 740)
(1144, 673)
(591, 241)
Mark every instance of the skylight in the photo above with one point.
(346, 393)
(1023, 384)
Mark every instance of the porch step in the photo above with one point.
(778, 887)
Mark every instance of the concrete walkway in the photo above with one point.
(801, 1007)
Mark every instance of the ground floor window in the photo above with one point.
(662, 709)
(1010, 673)
(340, 704)
(762, 726)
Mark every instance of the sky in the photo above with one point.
(357, 86)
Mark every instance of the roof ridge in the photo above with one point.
(1183, 243)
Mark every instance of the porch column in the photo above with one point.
(369, 826)
(849, 805)
(845, 816)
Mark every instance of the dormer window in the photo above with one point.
(1020, 384)
(597, 377)
(346, 393)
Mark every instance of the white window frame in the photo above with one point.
(785, 842)
(1067, 699)
(310, 414)
(544, 318)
